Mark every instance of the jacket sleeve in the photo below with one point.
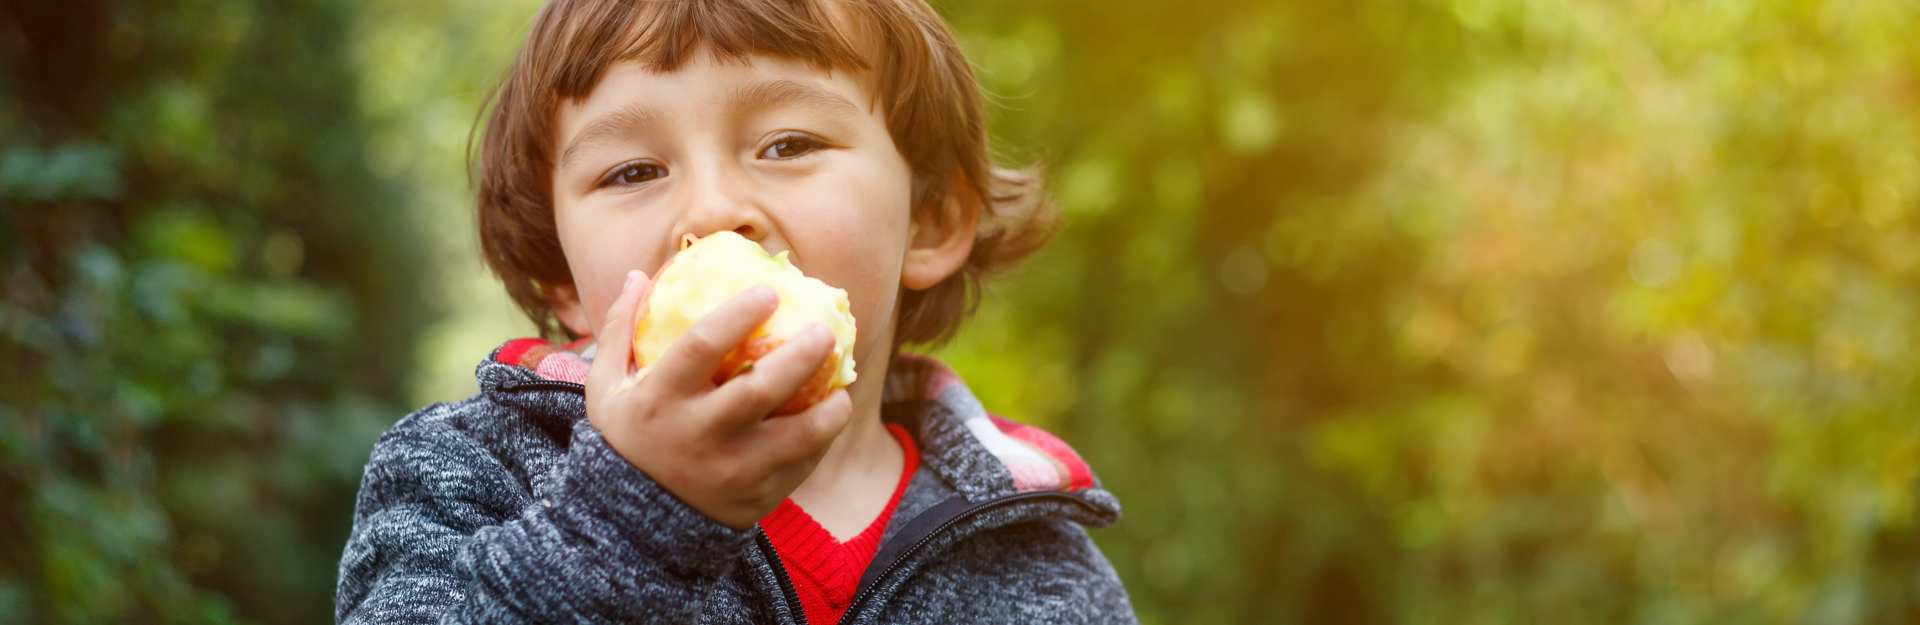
(1040, 571)
(1071, 576)
(438, 536)
(1110, 601)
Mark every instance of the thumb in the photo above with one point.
(615, 339)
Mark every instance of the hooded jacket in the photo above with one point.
(509, 507)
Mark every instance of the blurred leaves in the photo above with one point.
(1476, 311)
(68, 172)
(1490, 311)
(189, 248)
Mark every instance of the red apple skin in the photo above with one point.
(811, 392)
(816, 388)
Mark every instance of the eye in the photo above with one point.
(789, 146)
(633, 173)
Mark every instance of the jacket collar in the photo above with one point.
(980, 455)
(983, 454)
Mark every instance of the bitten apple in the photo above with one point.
(707, 272)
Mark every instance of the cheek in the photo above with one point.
(873, 291)
(598, 299)
(601, 245)
(873, 308)
(859, 248)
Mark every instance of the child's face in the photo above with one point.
(784, 154)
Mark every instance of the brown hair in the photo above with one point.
(932, 102)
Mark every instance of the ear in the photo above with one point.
(939, 240)
(565, 301)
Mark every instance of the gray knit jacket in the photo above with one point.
(509, 507)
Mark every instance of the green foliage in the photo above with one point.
(1475, 311)
(1488, 311)
(204, 288)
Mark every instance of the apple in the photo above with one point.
(706, 272)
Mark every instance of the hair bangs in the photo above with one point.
(663, 34)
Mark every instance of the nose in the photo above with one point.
(720, 198)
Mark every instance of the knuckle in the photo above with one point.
(697, 343)
(811, 429)
(754, 397)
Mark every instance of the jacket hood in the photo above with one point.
(980, 455)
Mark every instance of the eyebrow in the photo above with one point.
(763, 95)
(620, 121)
(748, 99)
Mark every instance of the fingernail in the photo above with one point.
(633, 276)
(766, 294)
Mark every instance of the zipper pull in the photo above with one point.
(510, 386)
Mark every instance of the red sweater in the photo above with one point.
(825, 571)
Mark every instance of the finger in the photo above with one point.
(614, 344)
(804, 435)
(689, 364)
(776, 376)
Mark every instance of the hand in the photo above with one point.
(713, 445)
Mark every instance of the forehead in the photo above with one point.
(590, 37)
(759, 81)
(707, 90)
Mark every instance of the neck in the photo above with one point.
(854, 480)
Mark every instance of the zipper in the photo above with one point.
(514, 386)
(765, 544)
(866, 594)
(787, 593)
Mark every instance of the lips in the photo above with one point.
(707, 272)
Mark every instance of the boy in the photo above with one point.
(848, 133)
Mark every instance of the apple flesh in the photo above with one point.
(710, 270)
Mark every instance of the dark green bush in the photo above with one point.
(208, 303)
